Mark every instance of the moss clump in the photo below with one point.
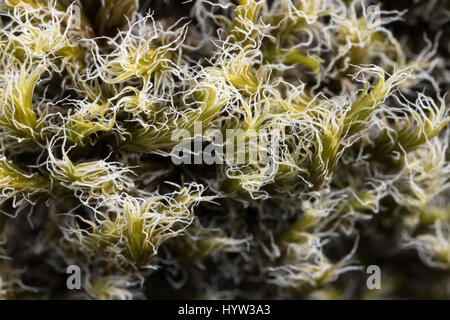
(327, 124)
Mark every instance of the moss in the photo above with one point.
(337, 155)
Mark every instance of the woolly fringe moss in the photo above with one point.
(91, 93)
